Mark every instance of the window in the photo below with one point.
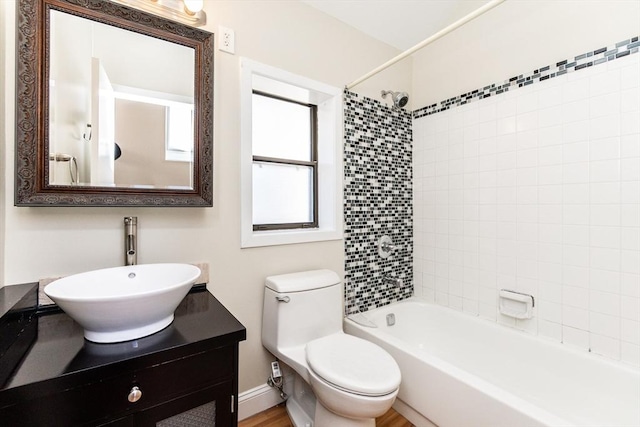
(285, 172)
(179, 132)
(290, 157)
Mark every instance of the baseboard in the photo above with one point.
(256, 400)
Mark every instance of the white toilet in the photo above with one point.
(341, 380)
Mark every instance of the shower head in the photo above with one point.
(399, 99)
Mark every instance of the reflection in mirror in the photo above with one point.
(114, 107)
(157, 134)
(111, 86)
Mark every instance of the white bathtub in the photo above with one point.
(461, 371)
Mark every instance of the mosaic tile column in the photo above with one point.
(377, 202)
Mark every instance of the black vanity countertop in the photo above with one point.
(59, 356)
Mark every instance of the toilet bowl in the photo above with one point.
(353, 377)
(340, 380)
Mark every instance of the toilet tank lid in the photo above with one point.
(302, 281)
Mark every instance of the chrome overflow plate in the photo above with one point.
(391, 319)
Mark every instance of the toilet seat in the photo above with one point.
(353, 365)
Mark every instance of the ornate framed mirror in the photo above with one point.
(114, 107)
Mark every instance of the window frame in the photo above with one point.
(172, 154)
(312, 163)
(329, 102)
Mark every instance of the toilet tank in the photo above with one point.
(314, 308)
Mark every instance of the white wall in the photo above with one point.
(44, 242)
(538, 189)
(143, 68)
(516, 37)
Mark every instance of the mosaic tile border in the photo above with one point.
(378, 174)
(585, 60)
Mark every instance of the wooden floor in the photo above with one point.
(277, 417)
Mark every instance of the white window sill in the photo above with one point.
(256, 239)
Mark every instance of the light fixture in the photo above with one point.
(184, 11)
(193, 6)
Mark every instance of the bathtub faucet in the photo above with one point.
(388, 279)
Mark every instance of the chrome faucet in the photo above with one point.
(388, 279)
(386, 247)
(130, 237)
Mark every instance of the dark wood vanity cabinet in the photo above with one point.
(167, 387)
(184, 375)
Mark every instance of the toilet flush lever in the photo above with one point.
(283, 299)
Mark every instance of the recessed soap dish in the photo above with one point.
(516, 304)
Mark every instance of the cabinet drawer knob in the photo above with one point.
(135, 394)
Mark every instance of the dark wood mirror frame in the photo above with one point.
(32, 186)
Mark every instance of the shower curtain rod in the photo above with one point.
(434, 37)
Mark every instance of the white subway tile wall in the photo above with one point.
(537, 190)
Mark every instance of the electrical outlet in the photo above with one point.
(275, 370)
(226, 40)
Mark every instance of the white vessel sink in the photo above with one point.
(123, 303)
